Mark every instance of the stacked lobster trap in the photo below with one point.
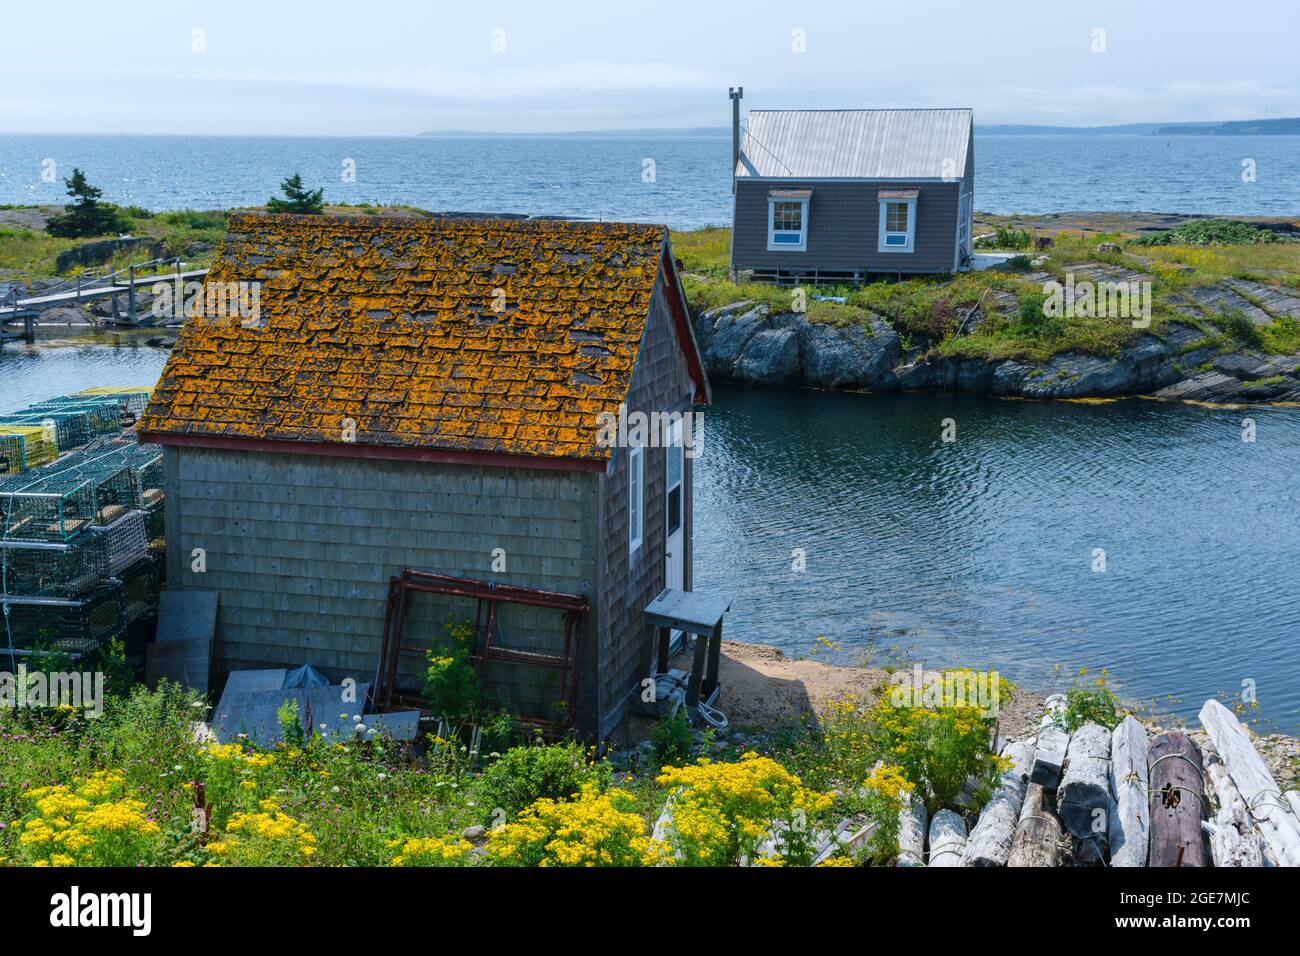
(81, 535)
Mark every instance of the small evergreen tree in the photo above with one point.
(87, 216)
(298, 199)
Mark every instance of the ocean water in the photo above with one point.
(679, 181)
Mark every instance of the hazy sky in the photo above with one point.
(391, 67)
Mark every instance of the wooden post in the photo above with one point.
(1177, 801)
(662, 665)
(1084, 798)
(1049, 757)
(1233, 838)
(697, 676)
(947, 838)
(911, 832)
(989, 843)
(1271, 813)
(1130, 818)
(715, 661)
(130, 293)
(1039, 833)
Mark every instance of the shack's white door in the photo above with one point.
(674, 533)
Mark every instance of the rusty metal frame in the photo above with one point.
(487, 597)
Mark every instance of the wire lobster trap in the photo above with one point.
(125, 542)
(74, 626)
(73, 427)
(155, 530)
(133, 398)
(104, 415)
(47, 507)
(145, 463)
(109, 473)
(46, 569)
(26, 446)
(141, 586)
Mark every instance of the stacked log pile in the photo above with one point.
(1118, 798)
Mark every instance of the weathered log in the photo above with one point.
(1233, 838)
(1049, 757)
(1130, 818)
(1276, 821)
(947, 838)
(911, 832)
(1038, 833)
(1177, 801)
(989, 843)
(1083, 800)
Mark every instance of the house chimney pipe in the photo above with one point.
(735, 92)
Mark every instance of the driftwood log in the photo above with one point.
(1177, 801)
(947, 838)
(1233, 838)
(989, 843)
(911, 832)
(1083, 800)
(1049, 757)
(1130, 817)
(1273, 815)
(1039, 834)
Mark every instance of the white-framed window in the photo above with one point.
(787, 224)
(635, 498)
(897, 223)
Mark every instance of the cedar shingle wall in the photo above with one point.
(660, 382)
(301, 548)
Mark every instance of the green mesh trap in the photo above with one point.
(30, 569)
(26, 446)
(35, 506)
(73, 427)
(72, 626)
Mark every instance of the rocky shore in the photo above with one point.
(750, 343)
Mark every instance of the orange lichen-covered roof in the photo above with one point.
(502, 336)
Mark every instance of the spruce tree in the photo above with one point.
(298, 199)
(86, 216)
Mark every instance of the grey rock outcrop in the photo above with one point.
(746, 343)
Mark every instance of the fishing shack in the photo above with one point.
(430, 400)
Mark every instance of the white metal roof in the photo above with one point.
(855, 144)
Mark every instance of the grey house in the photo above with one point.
(429, 394)
(835, 195)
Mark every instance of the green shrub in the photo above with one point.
(523, 775)
(451, 684)
(1090, 703)
(1238, 327)
(672, 741)
(1211, 232)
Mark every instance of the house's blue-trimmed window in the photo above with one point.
(897, 220)
(635, 498)
(787, 220)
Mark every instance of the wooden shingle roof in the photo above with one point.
(498, 336)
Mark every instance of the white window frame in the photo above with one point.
(772, 244)
(635, 498)
(910, 245)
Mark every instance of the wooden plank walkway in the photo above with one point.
(9, 313)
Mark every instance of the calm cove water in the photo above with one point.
(977, 552)
(605, 177)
